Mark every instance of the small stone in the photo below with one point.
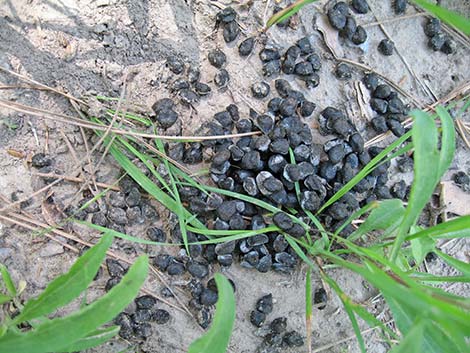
(379, 124)
(166, 118)
(285, 259)
(278, 325)
(433, 27)
(163, 104)
(360, 6)
(225, 248)
(399, 6)
(160, 316)
(283, 221)
(175, 268)
(193, 74)
(379, 105)
(145, 302)
(280, 243)
(293, 339)
(246, 47)
(221, 78)
(202, 89)
(133, 198)
(226, 211)
(156, 234)
(386, 47)
(115, 269)
(303, 69)
(227, 15)
(143, 330)
(343, 71)
(265, 304)
(257, 318)
(231, 31)
(217, 58)
(257, 240)
(265, 264)
(305, 46)
(260, 90)
(99, 219)
(225, 260)
(272, 68)
(448, 47)
(208, 297)
(349, 29)
(117, 215)
(307, 108)
(198, 269)
(437, 41)
(336, 18)
(360, 36)
(269, 54)
(40, 160)
(396, 127)
(175, 64)
(399, 190)
(371, 81)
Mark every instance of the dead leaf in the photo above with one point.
(51, 213)
(455, 199)
(15, 153)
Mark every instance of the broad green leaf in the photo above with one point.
(9, 285)
(448, 140)
(67, 287)
(56, 334)
(412, 342)
(450, 17)
(457, 264)
(420, 247)
(287, 12)
(93, 339)
(217, 338)
(386, 214)
(426, 163)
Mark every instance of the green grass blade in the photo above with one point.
(457, 264)
(93, 339)
(289, 11)
(9, 285)
(150, 187)
(217, 338)
(365, 171)
(56, 334)
(4, 298)
(411, 342)
(448, 140)
(384, 215)
(349, 310)
(450, 17)
(420, 247)
(426, 174)
(67, 287)
(180, 208)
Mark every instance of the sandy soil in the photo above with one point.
(89, 47)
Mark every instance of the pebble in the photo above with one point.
(145, 302)
(40, 160)
(117, 215)
(198, 269)
(293, 339)
(278, 325)
(166, 118)
(432, 27)
(360, 6)
(320, 297)
(257, 318)
(246, 47)
(360, 36)
(115, 269)
(221, 78)
(175, 64)
(265, 264)
(175, 268)
(343, 71)
(217, 58)
(399, 6)
(260, 90)
(208, 297)
(386, 47)
(231, 31)
(160, 316)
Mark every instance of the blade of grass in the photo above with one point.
(425, 139)
(56, 334)
(450, 17)
(93, 339)
(9, 285)
(308, 308)
(67, 287)
(411, 341)
(217, 338)
(289, 11)
(365, 171)
(455, 263)
(448, 140)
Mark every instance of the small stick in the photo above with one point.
(394, 19)
(76, 180)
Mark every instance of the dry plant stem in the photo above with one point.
(461, 129)
(403, 59)
(40, 85)
(77, 180)
(23, 221)
(331, 345)
(394, 19)
(77, 122)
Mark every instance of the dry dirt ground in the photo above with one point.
(89, 47)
